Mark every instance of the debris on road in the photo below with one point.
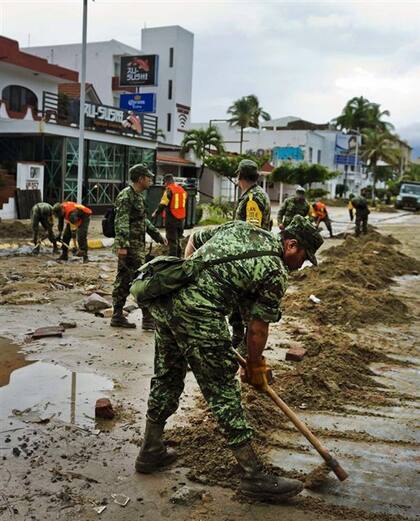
(104, 409)
(44, 332)
(186, 496)
(314, 299)
(120, 499)
(95, 302)
(99, 509)
(295, 354)
(68, 324)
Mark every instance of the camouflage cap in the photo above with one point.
(307, 235)
(248, 166)
(141, 170)
(57, 210)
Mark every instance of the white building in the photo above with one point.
(292, 139)
(39, 136)
(174, 46)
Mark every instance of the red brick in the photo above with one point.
(295, 354)
(103, 409)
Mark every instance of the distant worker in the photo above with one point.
(131, 225)
(254, 208)
(360, 205)
(294, 205)
(76, 217)
(42, 214)
(320, 215)
(254, 204)
(174, 206)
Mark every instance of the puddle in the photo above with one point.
(32, 391)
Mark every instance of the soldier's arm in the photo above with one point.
(266, 304)
(74, 223)
(153, 232)
(122, 222)
(282, 211)
(164, 202)
(256, 339)
(60, 225)
(307, 208)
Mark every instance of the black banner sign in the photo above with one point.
(138, 70)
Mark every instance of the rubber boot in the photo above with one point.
(148, 324)
(261, 485)
(85, 259)
(35, 251)
(55, 248)
(119, 320)
(64, 256)
(153, 454)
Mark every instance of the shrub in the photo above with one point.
(316, 193)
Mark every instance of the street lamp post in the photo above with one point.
(80, 165)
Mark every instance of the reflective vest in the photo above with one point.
(69, 207)
(178, 202)
(253, 212)
(320, 210)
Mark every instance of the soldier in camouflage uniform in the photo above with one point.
(295, 205)
(360, 205)
(254, 208)
(191, 330)
(42, 214)
(131, 225)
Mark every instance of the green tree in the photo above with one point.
(379, 146)
(246, 112)
(301, 174)
(361, 114)
(202, 142)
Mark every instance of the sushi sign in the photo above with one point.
(138, 70)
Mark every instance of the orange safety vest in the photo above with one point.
(178, 202)
(320, 210)
(70, 206)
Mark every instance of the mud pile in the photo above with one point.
(352, 283)
(15, 230)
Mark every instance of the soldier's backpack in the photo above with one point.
(164, 274)
(108, 223)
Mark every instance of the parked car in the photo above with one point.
(409, 196)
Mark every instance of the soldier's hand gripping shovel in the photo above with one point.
(316, 477)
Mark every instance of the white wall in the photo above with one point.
(99, 62)
(37, 83)
(158, 40)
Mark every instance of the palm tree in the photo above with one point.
(246, 112)
(359, 113)
(202, 141)
(379, 146)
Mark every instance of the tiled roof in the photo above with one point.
(162, 158)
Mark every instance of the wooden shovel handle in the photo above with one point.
(313, 440)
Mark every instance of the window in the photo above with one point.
(169, 122)
(18, 98)
(310, 154)
(169, 89)
(171, 57)
(117, 67)
(318, 157)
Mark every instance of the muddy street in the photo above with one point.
(357, 388)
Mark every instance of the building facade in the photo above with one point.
(40, 126)
(174, 47)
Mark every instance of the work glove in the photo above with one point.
(256, 374)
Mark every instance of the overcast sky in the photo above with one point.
(301, 58)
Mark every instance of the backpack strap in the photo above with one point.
(240, 256)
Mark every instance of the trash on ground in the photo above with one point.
(44, 332)
(120, 499)
(104, 409)
(99, 509)
(95, 302)
(314, 299)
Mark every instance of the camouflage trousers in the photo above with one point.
(48, 227)
(81, 233)
(361, 222)
(174, 232)
(203, 342)
(126, 273)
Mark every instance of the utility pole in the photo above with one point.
(80, 166)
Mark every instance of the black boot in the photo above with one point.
(119, 320)
(261, 485)
(153, 454)
(63, 257)
(148, 324)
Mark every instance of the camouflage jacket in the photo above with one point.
(131, 222)
(292, 206)
(254, 207)
(360, 204)
(42, 211)
(255, 285)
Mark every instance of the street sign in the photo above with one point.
(138, 70)
(145, 102)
